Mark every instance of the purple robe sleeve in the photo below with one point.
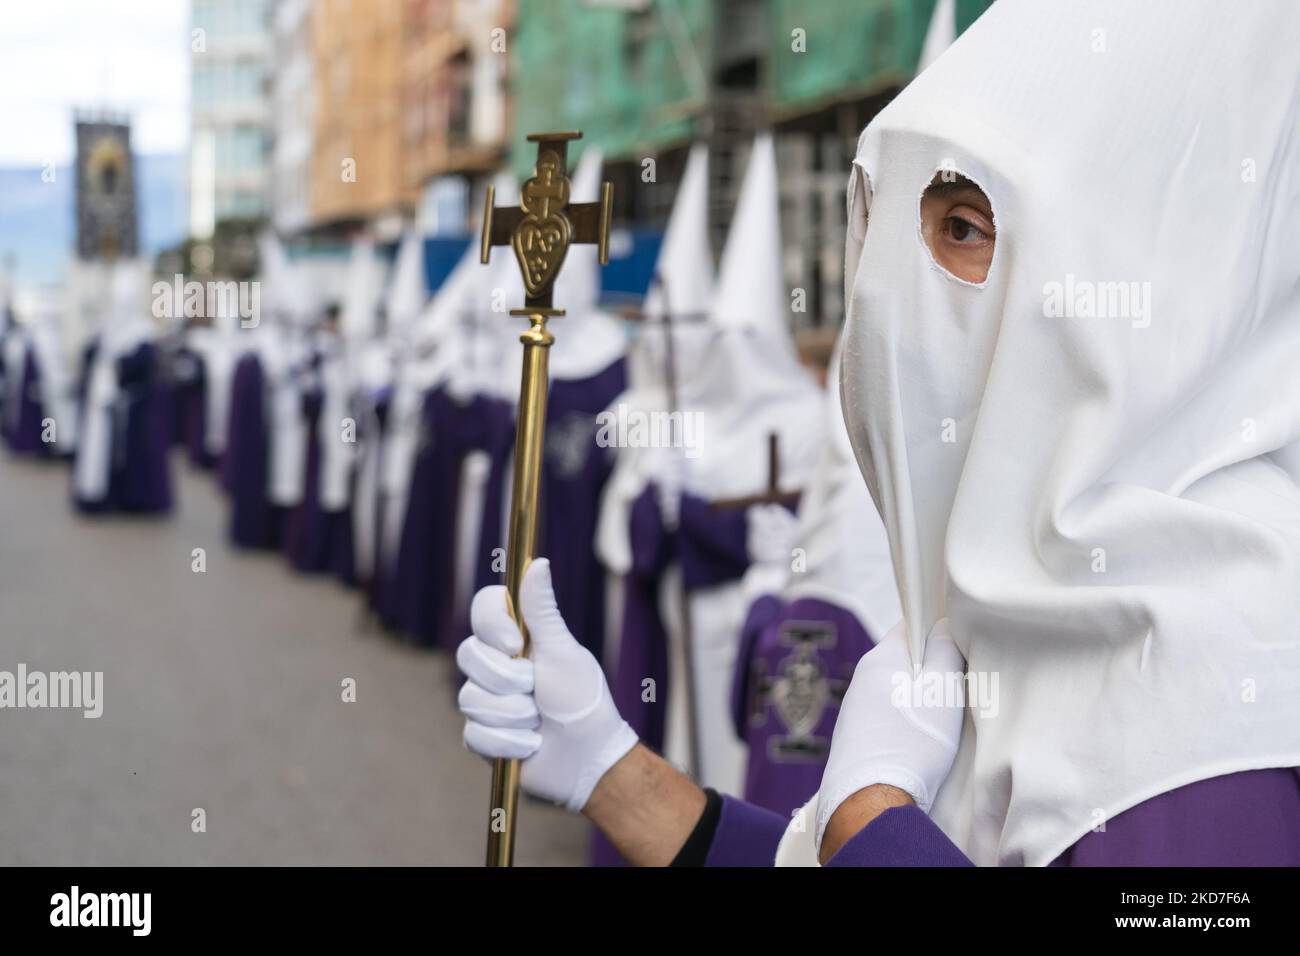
(710, 543)
(901, 836)
(746, 835)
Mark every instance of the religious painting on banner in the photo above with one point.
(106, 210)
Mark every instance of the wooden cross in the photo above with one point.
(773, 495)
(544, 224)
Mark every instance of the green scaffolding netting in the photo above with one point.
(622, 77)
(579, 66)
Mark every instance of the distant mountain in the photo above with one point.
(37, 221)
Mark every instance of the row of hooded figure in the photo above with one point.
(101, 401)
(728, 618)
(373, 440)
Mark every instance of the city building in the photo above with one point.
(357, 168)
(229, 175)
(455, 103)
(293, 98)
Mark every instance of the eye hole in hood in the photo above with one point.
(958, 227)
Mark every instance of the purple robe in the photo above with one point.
(254, 521)
(795, 662)
(574, 471)
(421, 601)
(23, 427)
(1251, 818)
(711, 543)
(316, 540)
(190, 389)
(139, 468)
(643, 650)
(377, 587)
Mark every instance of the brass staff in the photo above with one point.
(540, 230)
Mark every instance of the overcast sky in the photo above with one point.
(57, 55)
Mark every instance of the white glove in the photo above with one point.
(670, 481)
(770, 532)
(554, 710)
(886, 734)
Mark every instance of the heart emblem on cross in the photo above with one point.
(540, 244)
(543, 235)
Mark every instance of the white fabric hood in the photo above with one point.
(685, 270)
(587, 340)
(748, 381)
(1097, 500)
(361, 294)
(284, 298)
(406, 288)
(846, 547)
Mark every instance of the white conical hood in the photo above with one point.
(751, 292)
(941, 33)
(361, 294)
(587, 340)
(282, 293)
(684, 271)
(129, 306)
(406, 289)
(682, 287)
(469, 284)
(749, 381)
(577, 287)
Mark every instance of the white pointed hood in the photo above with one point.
(456, 331)
(1089, 490)
(587, 340)
(406, 288)
(361, 294)
(685, 264)
(940, 34)
(749, 381)
(682, 287)
(283, 299)
(751, 293)
(129, 319)
(684, 271)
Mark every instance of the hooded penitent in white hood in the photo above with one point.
(406, 288)
(1077, 459)
(280, 344)
(682, 287)
(361, 292)
(126, 325)
(747, 384)
(587, 340)
(749, 381)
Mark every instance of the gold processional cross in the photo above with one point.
(540, 230)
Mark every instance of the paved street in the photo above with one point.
(222, 691)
